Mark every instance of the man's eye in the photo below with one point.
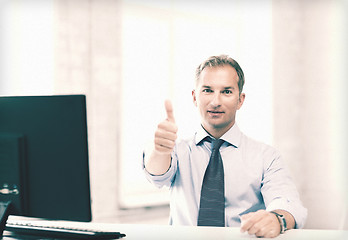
(207, 90)
(227, 91)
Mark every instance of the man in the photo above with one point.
(259, 195)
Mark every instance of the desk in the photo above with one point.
(164, 232)
(151, 232)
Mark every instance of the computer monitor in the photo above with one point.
(44, 168)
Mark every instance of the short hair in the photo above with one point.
(218, 61)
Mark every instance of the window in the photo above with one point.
(163, 42)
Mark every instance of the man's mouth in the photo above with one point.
(214, 113)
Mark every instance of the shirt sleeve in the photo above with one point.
(279, 190)
(165, 179)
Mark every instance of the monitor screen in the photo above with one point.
(44, 168)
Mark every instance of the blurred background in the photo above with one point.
(128, 56)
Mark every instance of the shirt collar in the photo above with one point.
(232, 136)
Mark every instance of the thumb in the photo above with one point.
(169, 109)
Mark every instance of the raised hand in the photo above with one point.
(166, 132)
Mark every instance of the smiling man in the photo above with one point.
(218, 98)
(220, 177)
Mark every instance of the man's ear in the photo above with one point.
(241, 100)
(194, 97)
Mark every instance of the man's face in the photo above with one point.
(217, 98)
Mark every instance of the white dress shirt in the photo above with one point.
(255, 178)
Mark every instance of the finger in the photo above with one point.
(250, 222)
(169, 109)
(256, 229)
(267, 233)
(246, 221)
(165, 135)
(268, 230)
(164, 140)
(163, 150)
(164, 143)
(246, 216)
(167, 126)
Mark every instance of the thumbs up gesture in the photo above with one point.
(166, 132)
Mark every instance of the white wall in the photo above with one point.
(309, 108)
(26, 59)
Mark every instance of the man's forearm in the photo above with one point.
(157, 163)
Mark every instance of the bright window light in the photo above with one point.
(162, 46)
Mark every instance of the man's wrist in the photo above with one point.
(282, 221)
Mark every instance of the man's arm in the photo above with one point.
(265, 224)
(159, 159)
(280, 195)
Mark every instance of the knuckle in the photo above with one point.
(160, 125)
(157, 142)
(157, 133)
(251, 221)
(257, 227)
(173, 127)
(172, 145)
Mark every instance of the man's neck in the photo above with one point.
(217, 132)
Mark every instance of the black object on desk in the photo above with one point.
(60, 232)
(4, 213)
(44, 168)
(12, 176)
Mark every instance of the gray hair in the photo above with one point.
(218, 61)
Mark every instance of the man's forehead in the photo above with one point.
(211, 74)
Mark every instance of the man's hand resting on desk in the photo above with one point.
(264, 223)
(165, 137)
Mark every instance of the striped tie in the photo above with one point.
(212, 204)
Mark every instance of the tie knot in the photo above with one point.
(217, 143)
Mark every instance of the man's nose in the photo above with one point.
(216, 100)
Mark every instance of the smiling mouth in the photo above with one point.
(215, 112)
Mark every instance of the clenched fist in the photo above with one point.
(166, 132)
(159, 160)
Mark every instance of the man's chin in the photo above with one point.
(220, 125)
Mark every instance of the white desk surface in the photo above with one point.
(166, 232)
(162, 232)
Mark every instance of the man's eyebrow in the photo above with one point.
(226, 88)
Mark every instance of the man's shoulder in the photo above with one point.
(257, 145)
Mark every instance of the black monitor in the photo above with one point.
(44, 168)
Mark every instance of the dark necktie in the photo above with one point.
(212, 204)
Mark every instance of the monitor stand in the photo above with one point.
(4, 213)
